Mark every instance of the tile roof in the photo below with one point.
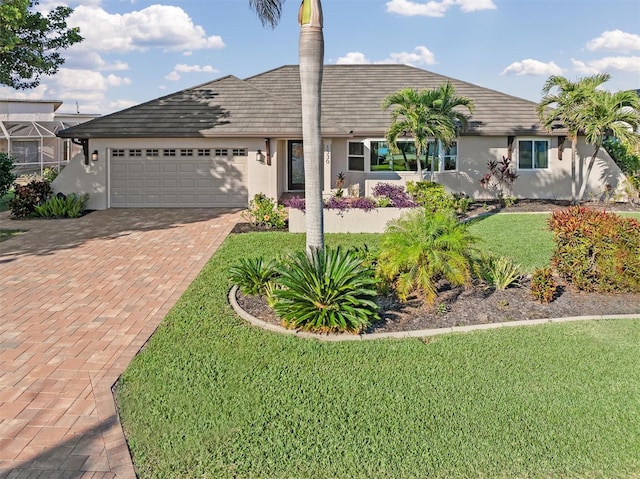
(268, 105)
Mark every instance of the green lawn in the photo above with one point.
(523, 237)
(4, 201)
(211, 397)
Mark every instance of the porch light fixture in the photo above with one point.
(94, 155)
(259, 158)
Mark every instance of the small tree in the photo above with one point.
(30, 42)
(6, 173)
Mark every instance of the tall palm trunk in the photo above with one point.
(585, 179)
(574, 146)
(311, 64)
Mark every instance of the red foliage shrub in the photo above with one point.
(596, 250)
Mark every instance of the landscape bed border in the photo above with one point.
(422, 333)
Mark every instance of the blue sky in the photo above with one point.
(137, 50)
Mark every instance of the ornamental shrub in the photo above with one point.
(264, 212)
(431, 195)
(543, 285)
(252, 275)
(6, 173)
(62, 206)
(396, 194)
(500, 272)
(27, 197)
(327, 290)
(596, 250)
(296, 202)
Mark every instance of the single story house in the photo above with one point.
(220, 143)
(28, 133)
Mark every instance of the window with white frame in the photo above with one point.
(204, 152)
(153, 152)
(135, 152)
(533, 154)
(450, 157)
(186, 152)
(356, 156)
(117, 152)
(221, 152)
(169, 152)
(382, 158)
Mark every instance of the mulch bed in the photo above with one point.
(478, 305)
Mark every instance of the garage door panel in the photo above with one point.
(176, 181)
(169, 183)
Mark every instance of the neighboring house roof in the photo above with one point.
(268, 105)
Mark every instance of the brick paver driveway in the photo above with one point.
(78, 298)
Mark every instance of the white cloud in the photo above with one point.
(67, 80)
(615, 40)
(434, 8)
(353, 58)
(420, 56)
(122, 104)
(163, 26)
(476, 5)
(38, 93)
(181, 67)
(91, 61)
(532, 67)
(624, 64)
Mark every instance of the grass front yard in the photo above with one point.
(213, 397)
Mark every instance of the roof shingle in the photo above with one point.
(268, 105)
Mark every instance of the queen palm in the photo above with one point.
(567, 101)
(427, 113)
(311, 59)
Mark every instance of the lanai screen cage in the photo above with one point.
(34, 145)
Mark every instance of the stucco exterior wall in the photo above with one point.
(94, 178)
(271, 179)
(473, 155)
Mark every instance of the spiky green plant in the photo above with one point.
(326, 290)
(500, 272)
(252, 275)
(421, 248)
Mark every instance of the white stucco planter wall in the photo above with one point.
(349, 221)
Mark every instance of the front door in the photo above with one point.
(295, 180)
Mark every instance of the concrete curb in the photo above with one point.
(423, 333)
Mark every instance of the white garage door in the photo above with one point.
(180, 177)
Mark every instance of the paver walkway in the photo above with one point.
(78, 299)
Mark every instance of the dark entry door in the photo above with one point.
(295, 180)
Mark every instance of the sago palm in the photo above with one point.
(421, 248)
(311, 59)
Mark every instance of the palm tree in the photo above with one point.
(567, 100)
(311, 59)
(427, 113)
(608, 114)
(423, 247)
